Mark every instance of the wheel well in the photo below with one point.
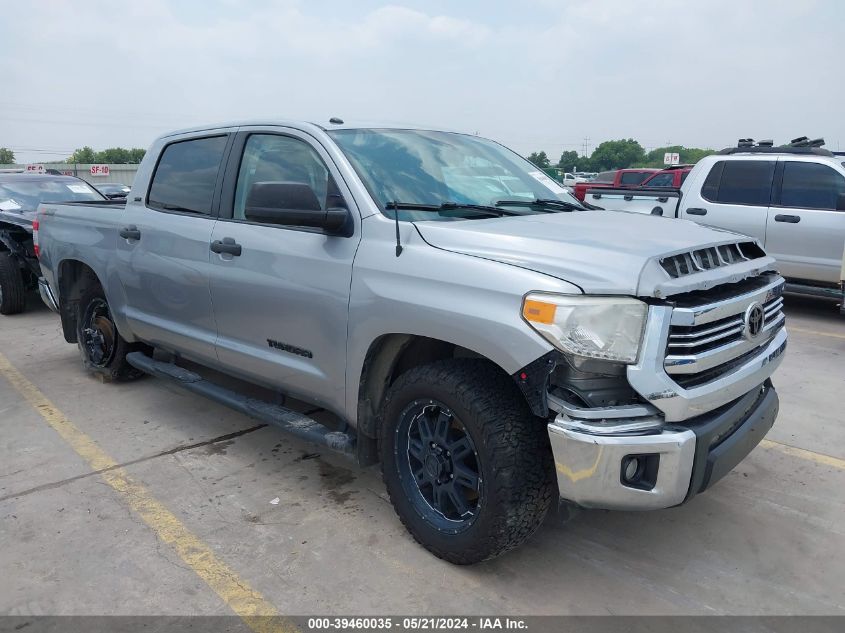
(75, 279)
(388, 358)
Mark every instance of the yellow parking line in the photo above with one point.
(819, 458)
(258, 613)
(816, 332)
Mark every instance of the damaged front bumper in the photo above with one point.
(621, 464)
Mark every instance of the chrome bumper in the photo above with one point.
(589, 467)
(47, 294)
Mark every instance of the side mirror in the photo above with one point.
(840, 202)
(292, 204)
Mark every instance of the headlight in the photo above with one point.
(609, 328)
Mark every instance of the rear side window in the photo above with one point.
(186, 175)
(634, 177)
(811, 186)
(661, 180)
(740, 182)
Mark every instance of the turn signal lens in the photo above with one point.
(539, 311)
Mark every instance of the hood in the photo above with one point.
(602, 252)
(18, 217)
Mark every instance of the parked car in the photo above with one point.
(113, 190)
(491, 353)
(20, 195)
(790, 198)
(670, 177)
(614, 179)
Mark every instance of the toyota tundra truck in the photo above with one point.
(493, 351)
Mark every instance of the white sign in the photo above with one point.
(35, 169)
(671, 158)
(543, 178)
(99, 170)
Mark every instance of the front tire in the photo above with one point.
(101, 346)
(12, 287)
(467, 466)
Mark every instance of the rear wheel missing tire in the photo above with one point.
(467, 466)
(12, 287)
(101, 346)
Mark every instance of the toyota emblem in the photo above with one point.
(754, 319)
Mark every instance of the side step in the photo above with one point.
(296, 423)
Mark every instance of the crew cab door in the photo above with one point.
(806, 230)
(281, 300)
(163, 260)
(734, 195)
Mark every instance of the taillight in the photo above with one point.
(35, 248)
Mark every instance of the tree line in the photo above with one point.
(618, 154)
(86, 155)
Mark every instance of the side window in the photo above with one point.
(275, 158)
(661, 180)
(634, 177)
(186, 174)
(811, 186)
(742, 182)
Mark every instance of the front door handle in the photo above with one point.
(792, 219)
(130, 232)
(697, 211)
(227, 245)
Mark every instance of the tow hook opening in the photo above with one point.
(640, 471)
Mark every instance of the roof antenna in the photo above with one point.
(395, 206)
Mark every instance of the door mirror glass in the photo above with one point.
(291, 204)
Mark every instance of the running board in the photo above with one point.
(296, 423)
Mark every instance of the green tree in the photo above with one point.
(136, 154)
(569, 160)
(540, 159)
(7, 156)
(86, 155)
(112, 155)
(687, 155)
(617, 155)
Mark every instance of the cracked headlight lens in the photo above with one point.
(609, 328)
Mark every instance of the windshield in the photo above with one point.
(416, 167)
(26, 195)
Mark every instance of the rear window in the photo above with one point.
(740, 182)
(811, 186)
(186, 175)
(634, 177)
(661, 180)
(605, 176)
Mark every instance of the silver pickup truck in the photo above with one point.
(478, 333)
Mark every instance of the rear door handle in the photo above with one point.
(697, 211)
(130, 232)
(792, 219)
(227, 245)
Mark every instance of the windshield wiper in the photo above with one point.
(483, 211)
(542, 202)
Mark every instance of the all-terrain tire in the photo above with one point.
(101, 346)
(12, 287)
(512, 453)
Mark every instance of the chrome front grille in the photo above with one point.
(703, 259)
(707, 339)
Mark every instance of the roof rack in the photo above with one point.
(800, 145)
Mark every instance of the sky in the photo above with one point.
(535, 74)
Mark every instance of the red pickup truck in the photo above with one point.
(614, 180)
(670, 177)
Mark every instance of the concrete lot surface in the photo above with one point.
(182, 520)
